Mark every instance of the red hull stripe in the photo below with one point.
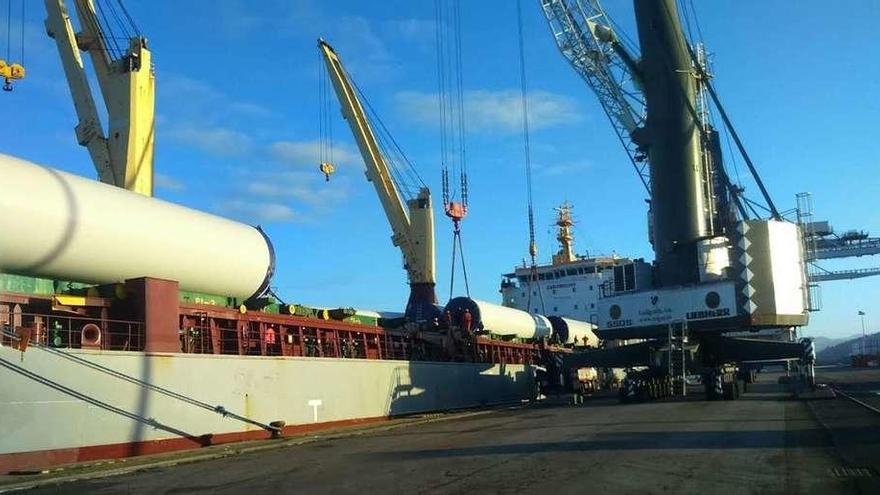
(27, 461)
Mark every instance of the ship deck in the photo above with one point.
(766, 442)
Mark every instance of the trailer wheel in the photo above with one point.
(731, 390)
(643, 392)
(714, 386)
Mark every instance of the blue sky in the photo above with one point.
(237, 108)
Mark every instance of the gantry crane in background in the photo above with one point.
(123, 156)
(821, 242)
(411, 215)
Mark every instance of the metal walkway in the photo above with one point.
(825, 276)
(836, 248)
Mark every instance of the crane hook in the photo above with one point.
(10, 72)
(327, 169)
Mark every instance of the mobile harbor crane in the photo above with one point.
(717, 269)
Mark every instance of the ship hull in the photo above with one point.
(57, 410)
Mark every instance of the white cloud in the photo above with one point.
(168, 183)
(323, 196)
(193, 100)
(365, 55)
(490, 111)
(218, 141)
(563, 168)
(355, 37)
(308, 189)
(413, 29)
(249, 109)
(359, 32)
(267, 188)
(258, 211)
(308, 153)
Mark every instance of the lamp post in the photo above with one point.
(864, 335)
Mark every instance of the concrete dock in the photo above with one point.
(766, 442)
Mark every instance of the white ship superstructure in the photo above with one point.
(570, 285)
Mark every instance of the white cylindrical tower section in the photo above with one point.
(499, 320)
(57, 225)
(573, 332)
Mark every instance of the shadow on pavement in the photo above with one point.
(757, 439)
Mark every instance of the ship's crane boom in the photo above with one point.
(587, 40)
(124, 155)
(411, 220)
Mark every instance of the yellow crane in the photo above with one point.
(124, 155)
(411, 220)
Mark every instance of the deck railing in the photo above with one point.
(75, 332)
(203, 334)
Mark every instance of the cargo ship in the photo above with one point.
(101, 369)
(130, 325)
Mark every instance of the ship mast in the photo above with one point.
(564, 235)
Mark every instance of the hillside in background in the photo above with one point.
(839, 353)
(823, 343)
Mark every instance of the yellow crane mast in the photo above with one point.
(411, 220)
(124, 155)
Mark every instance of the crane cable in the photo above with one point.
(8, 29)
(11, 71)
(456, 240)
(533, 246)
(327, 165)
(450, 91)
(450, 96)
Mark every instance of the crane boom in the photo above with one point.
(127, 82)
(584, 35)
(412, 220)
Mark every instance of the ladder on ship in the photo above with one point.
(677, 357)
